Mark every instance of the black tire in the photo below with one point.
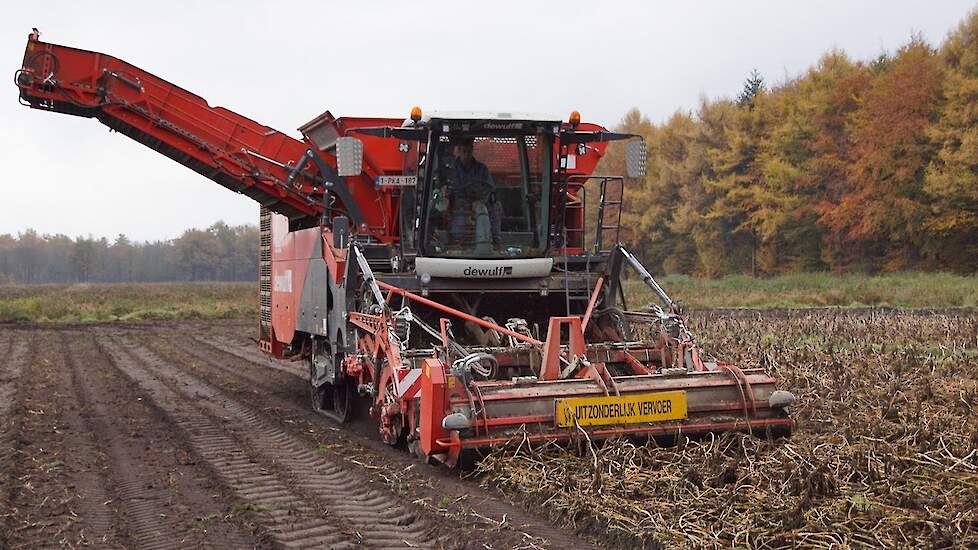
(334, 401)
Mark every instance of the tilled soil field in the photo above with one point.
(182, 435)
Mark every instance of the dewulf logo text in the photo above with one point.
(503, 125)
(497, 271)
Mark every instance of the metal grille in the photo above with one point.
(265, 271)
(635, 158)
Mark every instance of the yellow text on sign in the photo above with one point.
(625, 409)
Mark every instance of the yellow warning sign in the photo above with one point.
(625, 409)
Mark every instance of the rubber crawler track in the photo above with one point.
(265, 466)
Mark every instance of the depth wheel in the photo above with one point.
(334, 401)
(342, 401)
(320, 398)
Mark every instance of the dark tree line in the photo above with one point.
(218, 253)
(851, 166)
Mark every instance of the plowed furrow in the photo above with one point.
(11, 368)
(257, 376)
(252, 356)
(15, 350)
(238, 469)
(137, 492)
(223, 368)
(51, 488)
(257, 457)
(91, 503)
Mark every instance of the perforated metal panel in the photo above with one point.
(635, 158)
(265, 272)
(349, 156)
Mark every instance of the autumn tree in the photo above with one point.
(725, 232)
(122, 258)
(951, 181)
(197, 252)
(881, 214)
(84, 259)
(802, 160)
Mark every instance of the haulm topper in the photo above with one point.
(447, 269)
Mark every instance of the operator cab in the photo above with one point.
(485, 185)
(488, 195)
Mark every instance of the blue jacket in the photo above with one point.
(474, 181)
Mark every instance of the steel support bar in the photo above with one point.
(591, 302)
(647, 277)
(663, 429)
(460, 314)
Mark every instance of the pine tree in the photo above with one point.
(753, 87)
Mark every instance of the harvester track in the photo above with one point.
(142, 502)
(11, 368)
(12, 376)
(222, 345)
(302, 500)
(136, 436)
(232, 365)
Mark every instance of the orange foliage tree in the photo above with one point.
(852, 165)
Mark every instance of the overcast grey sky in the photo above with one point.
(283, 63)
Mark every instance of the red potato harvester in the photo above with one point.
(439, 267)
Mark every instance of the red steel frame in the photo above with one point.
(440, 394)
(256, 160)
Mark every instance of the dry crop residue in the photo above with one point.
(885, 453)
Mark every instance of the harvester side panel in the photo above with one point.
(292, 253)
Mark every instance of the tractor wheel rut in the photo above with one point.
(226, 346)
(12, 383)
(182, 435)
(11, 370)
(226, 364)
(162, 503)
(302, 499)
(278, 382)
(54, 493)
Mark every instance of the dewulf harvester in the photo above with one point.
(462, 319)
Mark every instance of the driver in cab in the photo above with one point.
(473, 192)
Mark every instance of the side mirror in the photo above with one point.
(349, 156)
(635, 158)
